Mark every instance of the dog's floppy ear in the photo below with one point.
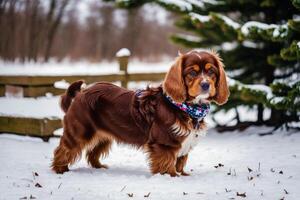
(173, 84)
(222, 90)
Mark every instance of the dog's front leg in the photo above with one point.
(162, 159)
(180, 164)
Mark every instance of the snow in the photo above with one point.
(278, 30)
(277, 100)
(63, 84)
(230, 22)
(201, 18)
(250, 44)
(191, 38)
(290, 81)
(123, 52)
(262, 88)
(213, 2)
(274, 160)
(54, 68)
(182, 5)
(201, 3)
(25, 161)
(197, 3)
(296, 17)
(266, 90)
(31, 107)
(245, 114)
(297, 100)
(229, 46)
(206, 18)
(257, 87)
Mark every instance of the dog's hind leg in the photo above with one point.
(101, 149)
(65, 154)
(75, 137)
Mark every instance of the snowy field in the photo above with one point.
(222, 166)
(254, 167)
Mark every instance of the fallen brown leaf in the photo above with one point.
(147, 195)
(226, 190)
(241, 194)
(272, 170)
(38, 185)
(130, 194)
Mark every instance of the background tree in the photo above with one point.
(37, 30)
(259, 42)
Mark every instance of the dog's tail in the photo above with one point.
(71, 92)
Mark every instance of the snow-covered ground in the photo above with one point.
(274, 161)
(254, 167)
(31, 107)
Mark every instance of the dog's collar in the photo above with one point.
(196, 111)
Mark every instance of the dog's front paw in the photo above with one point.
(98, 166)
(183, 173)
(60, 169)
(174, 174)
(171, 173)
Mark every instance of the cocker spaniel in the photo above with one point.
(165, 121)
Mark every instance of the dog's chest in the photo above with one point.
(190, 142)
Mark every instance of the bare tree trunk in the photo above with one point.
(260, 113)
(2, 25)
(53, 29)
(9, 44)
(132, 29)
(33, 31)
(106, 29)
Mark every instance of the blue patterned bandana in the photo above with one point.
(195, 111)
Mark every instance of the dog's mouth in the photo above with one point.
(201, 98)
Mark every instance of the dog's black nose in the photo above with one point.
(205, 86)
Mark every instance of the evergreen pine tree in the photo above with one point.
(259, 41)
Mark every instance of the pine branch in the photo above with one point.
(291, 53)
(267, 32)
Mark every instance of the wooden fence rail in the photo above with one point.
(43, 128)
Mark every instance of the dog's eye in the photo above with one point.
(193, 73)
(210, 72)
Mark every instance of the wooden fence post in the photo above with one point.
(2, 90)
(123, 58)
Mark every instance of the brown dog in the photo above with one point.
(148, 119)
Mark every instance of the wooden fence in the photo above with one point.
(34, 86)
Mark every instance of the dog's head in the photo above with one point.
(197, 76)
